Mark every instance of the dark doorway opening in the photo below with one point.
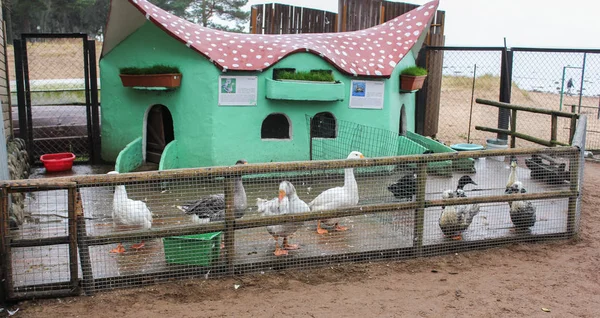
(275, 126)
(159, 132)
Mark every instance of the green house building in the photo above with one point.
(231, 102)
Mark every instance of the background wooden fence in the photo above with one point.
(274, 18)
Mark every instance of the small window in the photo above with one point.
(276, 126)
(323, 125)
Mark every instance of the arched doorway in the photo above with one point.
(402, 126)
(159, 132)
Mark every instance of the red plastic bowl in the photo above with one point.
(54, 162)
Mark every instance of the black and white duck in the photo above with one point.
(522, 213)
(457, 218)
(287, 202)
(211, 208)
(405, 188)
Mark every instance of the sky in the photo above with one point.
(524, 23)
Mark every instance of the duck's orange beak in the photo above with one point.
(281, 194)
(362, 156)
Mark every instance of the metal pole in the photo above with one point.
(582, 76)
(472, 96)
(505, 91)
(562, 87)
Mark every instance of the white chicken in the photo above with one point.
(129, 212)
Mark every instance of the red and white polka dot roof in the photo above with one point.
(370, 52)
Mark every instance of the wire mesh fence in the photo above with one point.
(558, 80)
(143, 228)
(52, 74)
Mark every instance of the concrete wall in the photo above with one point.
(208, 134)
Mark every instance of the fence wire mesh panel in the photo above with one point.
(142, 228)
(556, 80)
(333, 138)
(461, 70)
(47, 219)
(549, 79)
(57, 95)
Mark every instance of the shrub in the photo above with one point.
(306, 76)
(414, 71)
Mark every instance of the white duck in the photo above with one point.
(129, 212)
(338, 197)
(288, 202)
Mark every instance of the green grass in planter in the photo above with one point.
(156, 69)
(306, 76)
(414, 71)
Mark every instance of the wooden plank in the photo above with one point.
(39, 242)
(260, 16)
(210, 172)
(268, 18)
(522, 136)
(84, 251)
(74, 206)
(553, 128)
(344, 18)
(513, 128)
(229, 223)
(286, 19)
(434, 65)
(525, 108)
(253, 23)
(277, 18)
(6, 273)
(309, 216)
(574, 186)
(419, 216)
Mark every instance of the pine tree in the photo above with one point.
(219, 14)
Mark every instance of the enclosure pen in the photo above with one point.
(143, 228)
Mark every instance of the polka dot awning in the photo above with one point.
(370, 52)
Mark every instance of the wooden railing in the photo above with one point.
(512, 132)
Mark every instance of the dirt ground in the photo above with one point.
(514, 281)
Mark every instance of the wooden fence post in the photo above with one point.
(84, 250)
(6, 274)
(419, 215)
(74, 204)
(553, 130)
(229, 223)
(513, 128)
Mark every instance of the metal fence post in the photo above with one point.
(505, 91)
(95, 157)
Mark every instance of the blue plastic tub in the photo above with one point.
(467, 147)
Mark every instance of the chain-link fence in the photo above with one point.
(551, 79)
(119, 230)
(54, 97)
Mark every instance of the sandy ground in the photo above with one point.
(514, 281)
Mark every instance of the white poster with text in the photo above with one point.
(238, 90)
(367, 94)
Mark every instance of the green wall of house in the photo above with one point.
(208, 134)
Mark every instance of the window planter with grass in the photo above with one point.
(157, 77)
(305, 86)
(412, 78)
